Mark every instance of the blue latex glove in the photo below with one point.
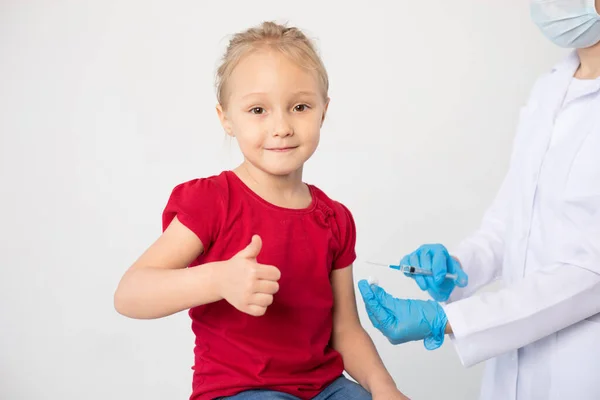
(404, 321)
(435, 257)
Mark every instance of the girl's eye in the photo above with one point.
(300, 107)
(257, 110)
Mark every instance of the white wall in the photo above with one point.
(106, 105)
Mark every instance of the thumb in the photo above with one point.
(380, 294)
(253, 249)
(377, 314)
(365, 290)
(369, 298)
(462, 279)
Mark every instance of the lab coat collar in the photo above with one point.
(554, 91)
(569, 65)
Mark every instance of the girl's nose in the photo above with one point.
(282, 126)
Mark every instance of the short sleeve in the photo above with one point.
(199, 205)
(346, 254)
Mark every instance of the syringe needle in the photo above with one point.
(374, 263)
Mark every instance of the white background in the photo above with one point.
(106, 105)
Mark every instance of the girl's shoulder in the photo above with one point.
(210, 185)
(343, 226)
(200, 204)
(214, 189)
(338, 209)
(198, 196)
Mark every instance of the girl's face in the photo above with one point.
(275, 109)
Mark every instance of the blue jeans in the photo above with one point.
(340, 389)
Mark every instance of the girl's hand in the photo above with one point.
(246, 284)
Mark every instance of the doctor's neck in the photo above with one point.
(590, 62)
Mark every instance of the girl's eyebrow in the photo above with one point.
(305, 92)
(297, 93)
(253, 94)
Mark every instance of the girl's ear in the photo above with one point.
(325, 111)
(225, 123)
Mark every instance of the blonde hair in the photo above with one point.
(290, 41)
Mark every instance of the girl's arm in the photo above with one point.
(360, 356)
(159, 283)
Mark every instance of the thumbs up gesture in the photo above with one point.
(246, 284)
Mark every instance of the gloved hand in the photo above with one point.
(435, 257)
(404, 321)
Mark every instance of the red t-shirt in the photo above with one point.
(287, 349)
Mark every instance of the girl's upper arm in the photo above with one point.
(176, 248)
(345, 312)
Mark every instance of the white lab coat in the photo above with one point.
(541, 332)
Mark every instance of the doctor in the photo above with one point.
(541, 236)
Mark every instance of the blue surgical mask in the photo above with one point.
(568, 23)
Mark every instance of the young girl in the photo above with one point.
(271, 293)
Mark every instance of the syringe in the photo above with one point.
(409, 269)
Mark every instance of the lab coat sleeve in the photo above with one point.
(546, 301)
